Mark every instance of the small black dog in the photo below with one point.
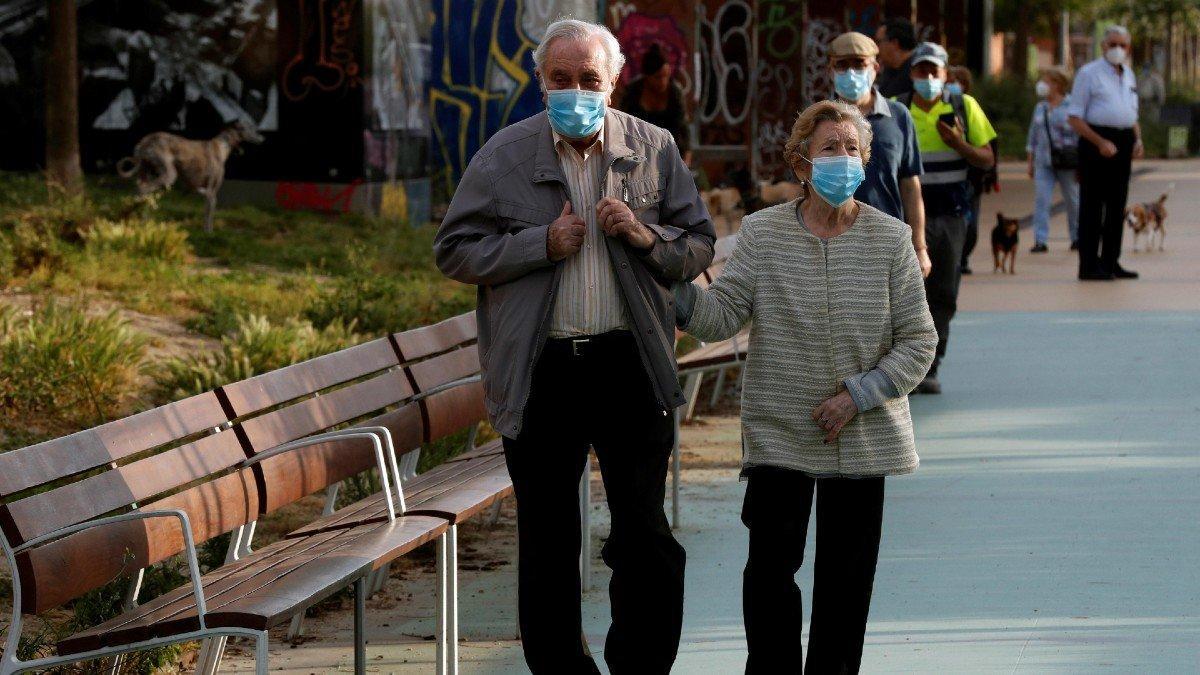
(1004, 243)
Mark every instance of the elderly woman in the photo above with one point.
(840, 334)
(1050, 134)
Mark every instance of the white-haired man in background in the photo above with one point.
(573, 224)
(1104, 111)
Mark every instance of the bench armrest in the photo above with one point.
(189, 547)
(374, 434)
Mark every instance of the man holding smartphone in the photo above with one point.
(952, 133)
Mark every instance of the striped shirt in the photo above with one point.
(822, 311)
(589, 300)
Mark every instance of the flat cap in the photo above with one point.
(852, 44)
(931, 52)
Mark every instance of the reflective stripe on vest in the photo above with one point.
(943, 167)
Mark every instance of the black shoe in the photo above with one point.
(1074, 246)
(1039, 248)
(966, 270)
(1095, 276)
(1122, 273)
(929, 385)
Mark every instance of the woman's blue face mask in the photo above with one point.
(576, 113)
(836, 178)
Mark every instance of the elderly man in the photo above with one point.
(1104, 111)
(893, 183)
(573, 224)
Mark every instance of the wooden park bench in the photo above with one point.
(85, 509)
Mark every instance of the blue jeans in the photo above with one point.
(1044, 178)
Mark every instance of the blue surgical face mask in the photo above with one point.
(852, 83)
(576, 113)
(954, 89)
(928, 88)
(836, 178)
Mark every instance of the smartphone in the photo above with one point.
(948, 118)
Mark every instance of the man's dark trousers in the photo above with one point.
(1103, 189)
(944, 235)
(595, 393)
(849, 523)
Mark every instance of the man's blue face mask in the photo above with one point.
(928, 88)
(852, 83)
(576, 113)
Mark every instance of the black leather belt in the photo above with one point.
(589, 345)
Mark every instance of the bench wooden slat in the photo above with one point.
(455, 409)
(449, 367)
(468, 497)
(105, 492)
(69, 567)
(279, 386)
(55, 459)
(323, 412)
(425, 341)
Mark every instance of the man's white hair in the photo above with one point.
(574, 29)
(1120, 31)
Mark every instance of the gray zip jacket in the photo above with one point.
(494, 236)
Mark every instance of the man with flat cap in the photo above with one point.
(893, 183)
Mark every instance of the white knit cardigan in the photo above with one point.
(822, 311)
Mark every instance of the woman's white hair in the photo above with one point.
(574, 29)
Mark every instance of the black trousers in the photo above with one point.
(1103, 189)
(849, 520)
(595, 394)
(944, 235)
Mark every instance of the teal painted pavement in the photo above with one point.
(1054, 524)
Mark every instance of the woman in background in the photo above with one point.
(653, 97)
(1049, 129)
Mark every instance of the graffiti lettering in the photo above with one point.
(620, 10)
(726, 50)
(774, 83)
(781, 27)
(329, 198)
(864, 20)
(324, 58)
(481, 77)
(769, 145)
(817, 36)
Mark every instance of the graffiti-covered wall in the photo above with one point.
(482, 75)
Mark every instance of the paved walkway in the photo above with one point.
(1053, 525)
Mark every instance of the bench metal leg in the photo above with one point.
(716, 392)
(494, 515)
(585, 526)
(447, 614)
(261, 653)
(360, 635)
(693, 388)
(676, 461)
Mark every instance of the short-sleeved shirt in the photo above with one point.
(1103, 96)
(894, 155)
(944, 186)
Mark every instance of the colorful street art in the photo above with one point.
(482, 77)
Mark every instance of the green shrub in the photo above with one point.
(218, 299)
(64, 366)
(1008, 104)
(256, 346)
(144, 239)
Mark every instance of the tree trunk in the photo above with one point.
(63, 171)
(1021, 44)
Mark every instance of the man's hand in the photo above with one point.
(951, 135)
(565, 235)
(924, 261)
(617, 220)
(834, 413)
(1139, 150)
(1030, 168)
(1108, 148)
